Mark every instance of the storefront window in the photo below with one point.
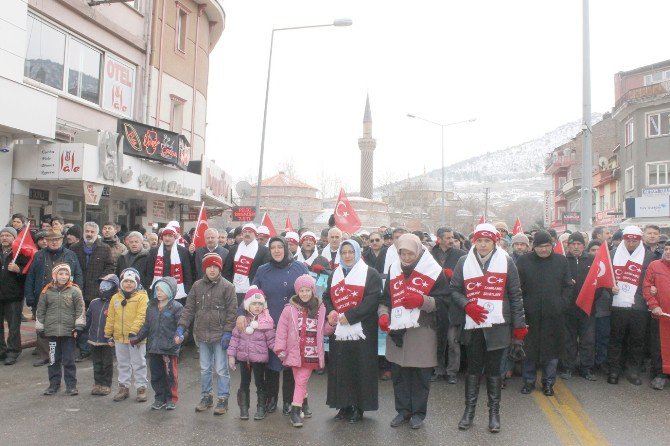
(84, 71)
(45, 54)
(70, 207)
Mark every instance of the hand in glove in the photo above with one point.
(476, 312)
(516, 352)
(317, 268)
(412, 301)
(384, 323)
(225, 339)
(520, 333)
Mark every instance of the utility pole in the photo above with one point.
(486, 205)
(587, 155)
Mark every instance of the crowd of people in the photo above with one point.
(283, 307)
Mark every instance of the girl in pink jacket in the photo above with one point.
(299, 339)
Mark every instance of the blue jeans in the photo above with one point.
(602, 338)
(213, 356)
(548, 371)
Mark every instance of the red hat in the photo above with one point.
(254, 294)
(250, 227)
(292, 237)
(170, 229)
(632, 233)
(486, 230)
(212, 259)
(306, 235)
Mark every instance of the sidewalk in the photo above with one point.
(28, 335)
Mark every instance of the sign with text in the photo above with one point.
(652, 206)
(656, 191)
(158, 210)
(118, 86)
(571, 218)
(548, 207)
(92, 193)
(64, 162)
(38, 194)
(155, 144)
(244, 213)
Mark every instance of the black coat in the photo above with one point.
(148, 275)
(11, 284)
(579, 269)
(137, 261)
(500, 335)
(371, 259)
(159, 328)
(448, 260)
(99, 264)
(262, 257)
(546, 286)
(352, 365)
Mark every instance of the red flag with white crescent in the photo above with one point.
(288, 226)
(558, 248)
(518, 229)
(268, 224)
(202, 226)
(601, 275)
(346, 217)
(23, 244)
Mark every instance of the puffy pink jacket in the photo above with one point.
(254, 347)
(288, 336)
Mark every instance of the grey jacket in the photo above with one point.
(59, 312)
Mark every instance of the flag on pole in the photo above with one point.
(200, 228)
(601, 275)
(518, 229)
(481, 220)
(345, 216)
(23, 244)
(558, 248)
(268, 224)
(288, 226)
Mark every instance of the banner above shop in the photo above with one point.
(92, 193)
(155, 144)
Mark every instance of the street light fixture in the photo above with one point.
(442, 126)
(338, 23)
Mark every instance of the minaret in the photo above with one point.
(367, 145)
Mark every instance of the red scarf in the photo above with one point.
(176, 270)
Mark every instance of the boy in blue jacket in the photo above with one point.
(102, 353)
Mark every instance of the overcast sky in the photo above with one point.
(516, 66)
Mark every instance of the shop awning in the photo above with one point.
(661, 222)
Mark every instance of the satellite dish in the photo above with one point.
(243, 189)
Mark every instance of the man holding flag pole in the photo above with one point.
(205, 240)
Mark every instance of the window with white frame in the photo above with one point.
(181, 28)
(176, 113)
(83, 79)
(656, 77)
(658, 124)
(602, 203)
(629, 179)
(630, 132)
(657, 173)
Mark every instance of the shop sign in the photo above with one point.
(38, 194)
(571, 218)
(244, 213)
(159, 209)
(155, 144)
(92, 193)
(548, 206)
(656, 191)
(118, 87)
(170, 187)
(606, 218)
(106, 191)
(652, 206)
(60, 162)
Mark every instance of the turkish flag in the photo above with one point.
(345, 216)
(601, 275)
(481, 222)
(289, 226)
(268, 224)
(199, 235)
(23, 244)
(558, 248)
(517, 227)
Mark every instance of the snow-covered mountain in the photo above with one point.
(510, 173)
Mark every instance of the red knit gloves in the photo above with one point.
(412, 301)
(384, 323)
(520, 333)
(317, 268)
(476, 312)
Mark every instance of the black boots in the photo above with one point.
(306, 411)
(243, 402)
(271, 404)
(260, 407)
(493, 384)
(294, 413)
(471, 393)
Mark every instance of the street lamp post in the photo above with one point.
(443, 218)
(336, 22)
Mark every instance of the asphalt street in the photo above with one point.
(581, 413)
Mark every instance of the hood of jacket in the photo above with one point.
(171, 283)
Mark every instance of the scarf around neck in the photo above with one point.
(176, 270)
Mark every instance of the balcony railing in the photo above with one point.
(647, 91)
(553, 163)
(572, 185)
(602, 176)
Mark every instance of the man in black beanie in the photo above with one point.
(73, 235)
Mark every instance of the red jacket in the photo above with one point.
(658, 275)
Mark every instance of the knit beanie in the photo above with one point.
(292, 237)
(576, 237)
(9, 230)
(130, 274)
(254, 294)
(305, 281)
(486, 230)
(520, 238)
(164, 287)
(59, 266)
(75, 231)
(632, 233)
(542, 238)
(618, 235)
(308, 235)
(212, 259)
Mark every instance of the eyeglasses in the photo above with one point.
(375, 240)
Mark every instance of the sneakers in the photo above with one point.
(634, 379)
(40, 362)
(566, 374)
(294, 414)
(613, 378)
(657, 383)
(306, 411)
(11, 360)
(587, 375)
(286, 410)
(451, 379)
(527, 388)
(71, 391)
(105, 390)
(141, 395)
(399, 420)
(221, 406)
(158, 405)
(122, 394)
(415, 422)
(205, 403)
(170, 405)
(51, 390)
(96, 390)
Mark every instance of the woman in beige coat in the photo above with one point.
(407, 312)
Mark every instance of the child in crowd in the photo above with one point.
(61, 316)
(125, 318)
(102, 354)
(159, 327)
(250, 349)
(299, 339)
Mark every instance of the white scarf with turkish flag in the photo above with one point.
(176, 270)
(390, 258)
(307, 261)
(420, 282)
(488, 288)
(244, 258)
(627, 272)
(346, 293)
